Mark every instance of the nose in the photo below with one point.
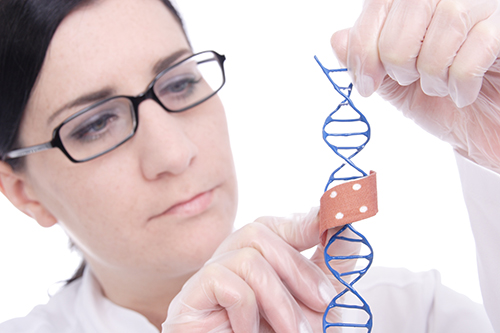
(163, 141)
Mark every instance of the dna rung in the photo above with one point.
(337, 149)
(345, 92)
(348, 285)
(343, 152)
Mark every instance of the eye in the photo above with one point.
(180, 86)
(94, 127)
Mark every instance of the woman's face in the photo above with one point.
(165, 199)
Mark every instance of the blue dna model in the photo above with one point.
(348, 298)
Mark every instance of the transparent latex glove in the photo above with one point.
(258, 281)
(436, 61)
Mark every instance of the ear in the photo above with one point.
(16, 188)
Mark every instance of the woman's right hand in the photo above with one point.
(436, 61)
(258, 281)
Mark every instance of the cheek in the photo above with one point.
(89, 200)
(216, 145)
(211, 135)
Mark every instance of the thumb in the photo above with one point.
(340, 41)
(299, 230)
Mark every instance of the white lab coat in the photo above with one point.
(401, 301)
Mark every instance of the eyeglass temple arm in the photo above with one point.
(26, 151)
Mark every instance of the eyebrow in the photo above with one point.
(107, 92)
(82, 100)
(166, 62)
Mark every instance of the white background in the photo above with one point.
(277, 99)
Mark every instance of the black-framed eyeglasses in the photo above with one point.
(105, 125)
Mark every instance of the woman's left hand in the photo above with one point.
(436, 61)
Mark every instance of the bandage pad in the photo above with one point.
(347, 203)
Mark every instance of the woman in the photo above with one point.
(179, 181)
(175, 173)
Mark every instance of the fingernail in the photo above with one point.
(327, 292)
(363, 82)
(30, 213)
(454, 93)
(433, 87)
(365, 85)
(459, 99)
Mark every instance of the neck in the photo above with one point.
(149, 293)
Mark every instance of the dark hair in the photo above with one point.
(26, 29)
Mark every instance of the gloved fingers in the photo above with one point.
(475, 58)
(363, 59)
(458, 61)
(304, 279)
(340, 42)
(213, 301)
(277, 306)
(401, 38)
(299, 230)
(451, 25)
(227, 293)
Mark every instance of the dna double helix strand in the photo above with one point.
(348, 298)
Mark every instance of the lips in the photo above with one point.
(191, 207)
